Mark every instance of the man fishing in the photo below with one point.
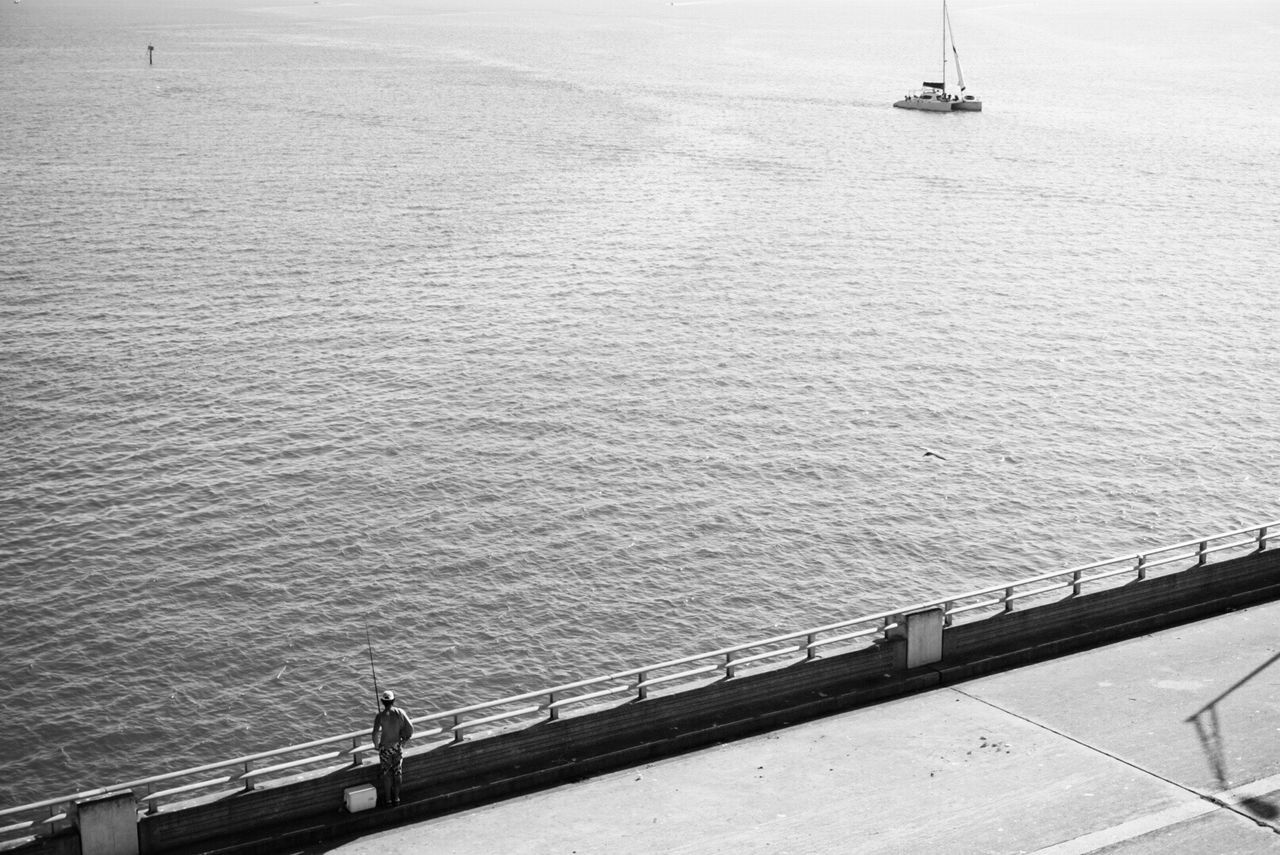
(391, 730)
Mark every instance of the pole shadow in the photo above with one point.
(1208, 727)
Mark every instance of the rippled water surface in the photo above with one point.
(557, 337)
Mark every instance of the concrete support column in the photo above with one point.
(108, 824)
(924, 637)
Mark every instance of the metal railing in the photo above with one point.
(453, 726)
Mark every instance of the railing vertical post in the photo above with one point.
(1262, 538)
(729, 669)
(946, 613)
(457, 729)
(152, 807)
(1008, 600)
(248, 781)
(1142, 567)
(642, 691)
(356, 759)
(810, 652)
(1075, 583)
(552, 710)
(1202, 553)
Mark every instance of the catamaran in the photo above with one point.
(934, 96)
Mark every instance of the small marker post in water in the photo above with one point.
(150, 48)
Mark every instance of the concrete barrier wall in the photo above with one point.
(308, 808)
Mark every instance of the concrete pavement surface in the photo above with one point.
(1165, 743)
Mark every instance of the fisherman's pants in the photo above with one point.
(392, 763)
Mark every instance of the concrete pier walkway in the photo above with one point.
(1165, 743)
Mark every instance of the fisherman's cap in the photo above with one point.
(388, 695)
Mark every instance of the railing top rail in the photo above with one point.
(182, 773)
(636, 672)
(85, 794)
(1091, 566)
(1195, 541)
(659, 666)
(248, 758)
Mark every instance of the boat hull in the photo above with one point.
(968, 104)
(924, 104)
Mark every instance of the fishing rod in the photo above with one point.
(372, 670)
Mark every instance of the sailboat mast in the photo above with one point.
(944, 47)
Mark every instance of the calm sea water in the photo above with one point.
(551, 338)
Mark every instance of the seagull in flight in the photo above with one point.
(928, 453)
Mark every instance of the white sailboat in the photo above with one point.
(934, 97)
